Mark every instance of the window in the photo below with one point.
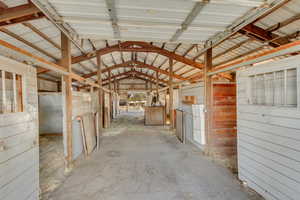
(11, 97)
(275, 88)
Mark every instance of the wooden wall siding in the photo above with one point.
(19, 153)
(269, 140)
(47, 86)
(223, 135)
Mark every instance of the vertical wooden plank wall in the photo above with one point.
(223, 125)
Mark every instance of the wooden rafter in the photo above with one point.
(47, 64)
(134, 72)
(17, 37)
(135, 77)
(258, 33)
(135, 64)
(41, 34)
(143, 47)
(226, 67)
(18, 14)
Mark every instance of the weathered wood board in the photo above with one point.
(19, 149)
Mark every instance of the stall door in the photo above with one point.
(19, 151)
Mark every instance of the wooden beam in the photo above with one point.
(208, 87)
(41, 34)
(258, 33)
(172, 124)
(143, 47)
(133, 72)
(284, 23)
(47, 64)
(279, 51)
(19, 14)
(17, 37)
(137, 64)
(66, 62)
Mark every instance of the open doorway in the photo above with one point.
(52, 161)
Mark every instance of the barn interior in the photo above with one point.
(166, 100)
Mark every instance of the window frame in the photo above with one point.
(273, 67)
(16, 68)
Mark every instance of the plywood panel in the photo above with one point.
(89, 132)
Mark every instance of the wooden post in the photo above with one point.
(157, 85)
(66, 62)
(171, 93)
(3, 91)
(208, 87)
(110, 96)
(100, 94)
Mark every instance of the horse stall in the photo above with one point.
(52, 138)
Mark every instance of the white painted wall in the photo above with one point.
(19, 149)
(189, 118)
(269, 138)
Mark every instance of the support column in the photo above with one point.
(171, 93)
(208, 87)
(115, 99)
(100, 96)
(157, 95)
(110, 96)
(67, 63)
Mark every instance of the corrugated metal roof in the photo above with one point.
(155, 21)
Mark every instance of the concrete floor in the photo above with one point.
(148, 163)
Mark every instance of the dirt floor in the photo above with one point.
(51, 164)
(138, 162)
